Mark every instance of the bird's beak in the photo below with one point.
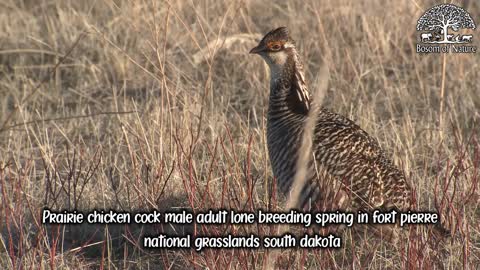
(257, 49)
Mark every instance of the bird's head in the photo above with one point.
(275, 48)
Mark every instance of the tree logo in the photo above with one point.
(439, 25)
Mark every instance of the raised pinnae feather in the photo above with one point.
(301, 86)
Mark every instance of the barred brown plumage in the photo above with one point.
(348, 169)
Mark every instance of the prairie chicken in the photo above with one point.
(348, 170)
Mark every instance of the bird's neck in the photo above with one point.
(288, 89)
(281, 77)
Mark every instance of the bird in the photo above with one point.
(348, 169)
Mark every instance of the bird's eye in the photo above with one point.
(276, 47)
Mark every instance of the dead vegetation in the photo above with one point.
(134, 105)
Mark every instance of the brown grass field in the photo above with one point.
(140, 105)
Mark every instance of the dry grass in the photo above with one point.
(136, 105)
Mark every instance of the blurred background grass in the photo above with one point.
(135, 105)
